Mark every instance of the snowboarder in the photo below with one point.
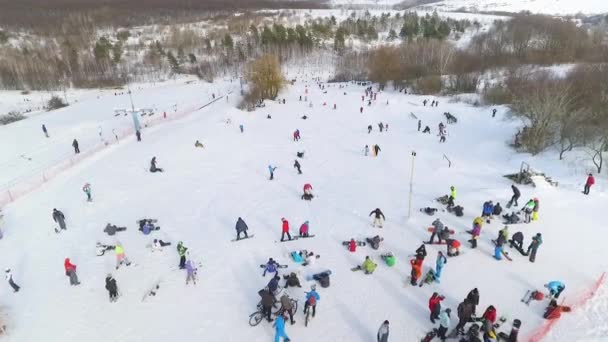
(59, 218)
(528, 209)
(111, 287)
(296, 135)
(307, 191)
(429, 211)
(70, 271)
(271, 267)
(555, 288)
(419, 125)
(147, 227)
(304, 229)
(138, 135)
(427, 129)
(120, 255)
(292, 280)
(271, 170)
(378, 218)
(190, 272)
(512, 218)
(352, 245)
(517, 241)
(537, 240)
(296, 165)
(157, 245)
(87, 190)
(444, 324)
(374, 241)
(279, 325)
(9, 277)
(452, 197)
(437, 228)
(369, 129)
(383, 332)
(376, 149)
(416, 272)
(381, 127)
(497, 210)
(198, 144)
(46, 133)
(515, 197)
(389, 259)
(554, 311)
(75, 145)
(111, 229)
(312, 298)
(368, 266)
(181, 250)
(435, 306)
(442, 135)
(241, 227)
(153, 167)
(285, 229)
(439, 264)
(366, 150)
(590, 181)
(475, 232)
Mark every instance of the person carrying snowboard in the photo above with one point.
(515, 197)
(285, 229)
(120, 255)
(297, 166)
(8, 275)
(378, 217)
(437, 228)
(537, 240)
(70, 271)
(279, 325)
(383, 331)
(59, 218)
(153, 167)
(241, 227)
(271, 171)
(439, 264)
(87, 190)
(112, 288)
(588, 184)
(181, 250)
(435, 306)
(304, 229)
(271, 267)
(190, 272)
(312, 298)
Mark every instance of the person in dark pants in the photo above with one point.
(181, 250)
(111, 287)
(9, 277)
(59, 218)
(435, 306)
(427, 129)
(369, 129)
(419, 125)
(297, 165)
(271, 170)
(590, 181)
(153, 167)
(241, 227)
(75, 145)
(285, 229)
(517, 241)
(268, 301)
(494, 112)
(376, 150)
(465, 312)
(516, 195)
(138, 135)
(533, 248)
(46, 133)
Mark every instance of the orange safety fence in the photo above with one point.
(25, 185)
(544, 329)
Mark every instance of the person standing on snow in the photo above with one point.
(271, 170)
(435, 306)
(75, 146)
(9, 277)
(138, 135)
(537, 240)
(528, 209)
(465, 312)
(473, 298)
(241, 227)
(279, 325)
(46, 133)
(287, 307)
(181, 250)
(366, 150)
(378, 218)
(376, 150)
(437, 228)
(369, 129)
(242, 128)
(444, 324)
(383, 332)
(111, 287)
(312, 298)
(285, 229)
(419, 125)
(515, 197)
(59, 218)
(70, 271)
(296, 165)
(87, 190)
(535, 209)
(439, 264)
(416, 272)
(304, 229)
(190, 272)
(120, 255)
(590, 181)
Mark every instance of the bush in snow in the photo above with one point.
(11, 117)
(55, 103)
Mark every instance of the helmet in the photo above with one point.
(313, 287)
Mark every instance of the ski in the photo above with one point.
(243, 238)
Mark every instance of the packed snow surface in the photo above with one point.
(203, 191)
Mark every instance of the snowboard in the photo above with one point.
(431, 229)
(359, 243)
(312, 276)
(306, 237)
(152, 291)
(434, 243)
(278, 266)
(243, 238)
(524, 299)
(429, 336)
(293, 238)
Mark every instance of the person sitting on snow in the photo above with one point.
(429, 211)
(310, 258)
(453, 247)
(497, 210)
(147, 227)
(375, 241)
(292, 280)
(304, 229)
(102, 249)
(153, 167)
(368, 265)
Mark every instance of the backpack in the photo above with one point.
(312, 301)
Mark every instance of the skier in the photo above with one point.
(419, 125)
(153, 167)
(181, 250)
(296, 165)
(87, 190)
(111, 229)
(421, 252)
(285, 229)
(46, 133)
(75, 145)
(271, 170)
(366, 150)
(138, 135)
(292, 280)
(241, 227)
(537, 240)
(59, 218)
(590, 181)
(555, 288)
(111, 287)
(515, 197)
(437, 228)
(190, 272)
(280, 329)
(435, 306)
(376, 149)
(271, 267)
(439, 264)
(535, 209)
(304, 229)
(378, 218)
(312, 298)
(444, 324)
(383, 332)
(9, 277)
(416, 270)
(120, 255)
(70, 271)
(369, 129)
(374, 241)
(528, 209)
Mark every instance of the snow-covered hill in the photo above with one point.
(552, 7)
(203, 191)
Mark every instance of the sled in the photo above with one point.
(243, 238)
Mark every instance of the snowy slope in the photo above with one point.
(553, 7)
(203, 191)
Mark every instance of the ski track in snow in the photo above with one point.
(202, 192)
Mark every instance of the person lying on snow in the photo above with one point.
(374, 241)
(368, 266)
(111, 229)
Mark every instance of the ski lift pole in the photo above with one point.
(409, 209)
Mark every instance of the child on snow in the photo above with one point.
(190, 272)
